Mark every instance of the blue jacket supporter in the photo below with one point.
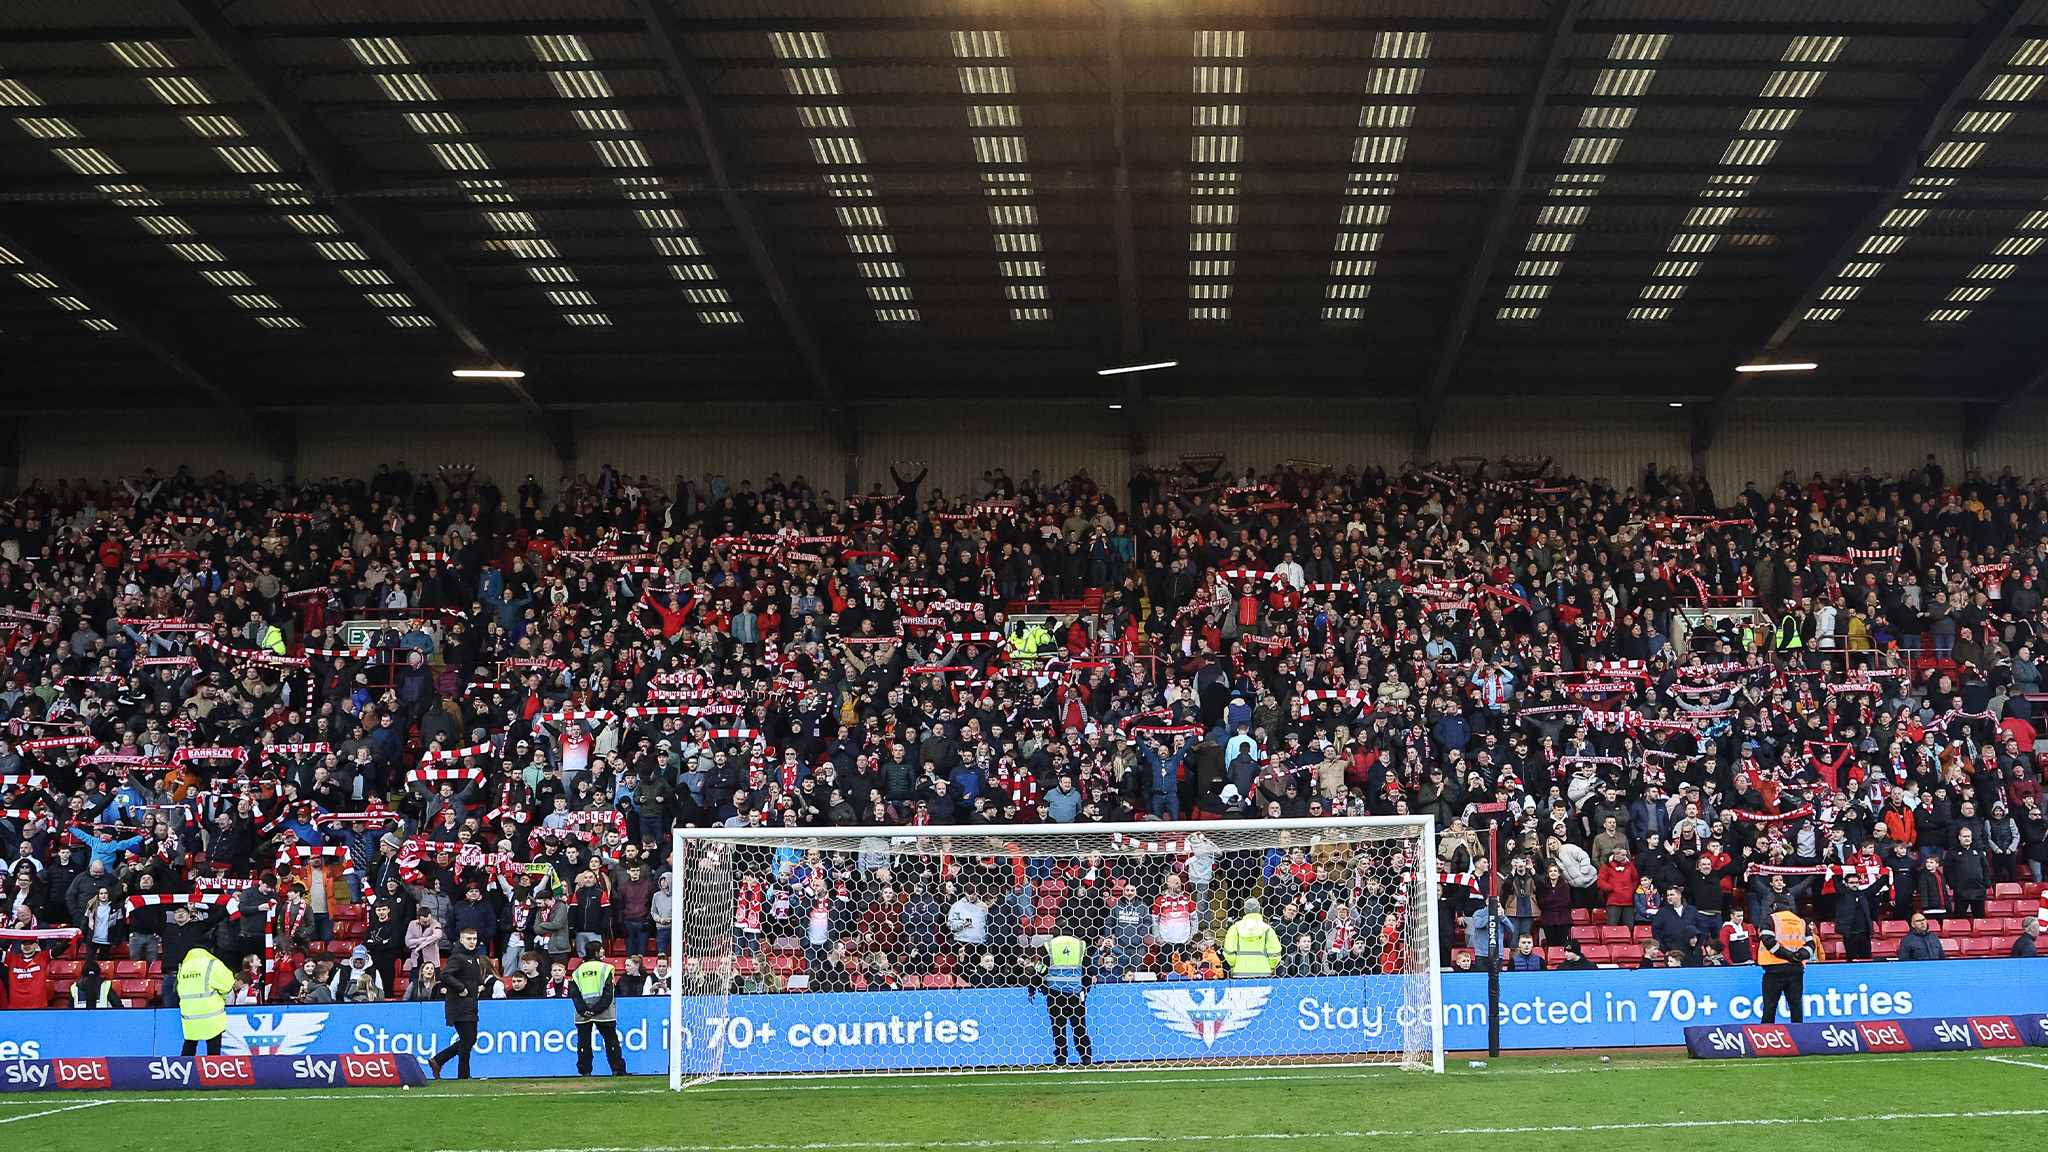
(107, 852)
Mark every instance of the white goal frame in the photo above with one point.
(1422, 828)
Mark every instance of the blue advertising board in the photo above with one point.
(1858, 1037)
(192, 1073)
(963, 1028)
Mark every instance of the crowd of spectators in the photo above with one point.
(323, 727)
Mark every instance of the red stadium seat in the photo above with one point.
(1582, 915)
(1999, 907)
(1616, 934)
(2008, 891)
(1893, 928)
(1585, 933)
(134, 991)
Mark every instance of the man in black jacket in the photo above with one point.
(254, 917)
(385, 940)
(182, 933)
(462, 978)
(1969, 873)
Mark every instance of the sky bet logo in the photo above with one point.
(1884, 1038)
(336, 1071)
(1770, 1040)
(203, 1071)
(1842, 1038)
(1732, 1041)
(1996, 1031)
(87, 1072)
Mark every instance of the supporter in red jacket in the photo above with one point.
(28, 976)
(1618, 881)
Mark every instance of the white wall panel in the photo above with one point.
(124, 443)
(1762, 439)
(1266, 435)
(743, 442)
(500, 443)
(2017, 439)
(958, 442)
(1612, 441)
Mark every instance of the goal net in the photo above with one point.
(821, 951)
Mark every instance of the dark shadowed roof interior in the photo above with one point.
(278, 204)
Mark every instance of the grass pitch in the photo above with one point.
(1982, 1102)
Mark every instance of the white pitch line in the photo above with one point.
(2017, 1063)
(54, 1111)
(1770, 1121)
(538, 1087)
(1051, 1081)
(770, 1083)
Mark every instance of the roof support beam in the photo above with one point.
(56, 252)
(1890, 176)
(1124, 215)
(338, 177)
(757, 232)
(1556, 48)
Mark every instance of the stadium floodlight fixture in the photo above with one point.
(489, 374)
(1116, 407)
(1137, 368)
(1677, 404)
(1787, 366)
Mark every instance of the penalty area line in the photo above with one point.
(52, 1111)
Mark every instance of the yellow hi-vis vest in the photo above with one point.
(203, 986)
(1063, 955)
(1251, 948)
(1788, 633)
(590, 978)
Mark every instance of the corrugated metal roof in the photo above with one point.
(504, 172)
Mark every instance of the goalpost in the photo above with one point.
(820, 951)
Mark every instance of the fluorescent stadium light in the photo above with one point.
(1116, 407)
(489, 374)
(1802, 366)
(1137, 368)
(1676, 404)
